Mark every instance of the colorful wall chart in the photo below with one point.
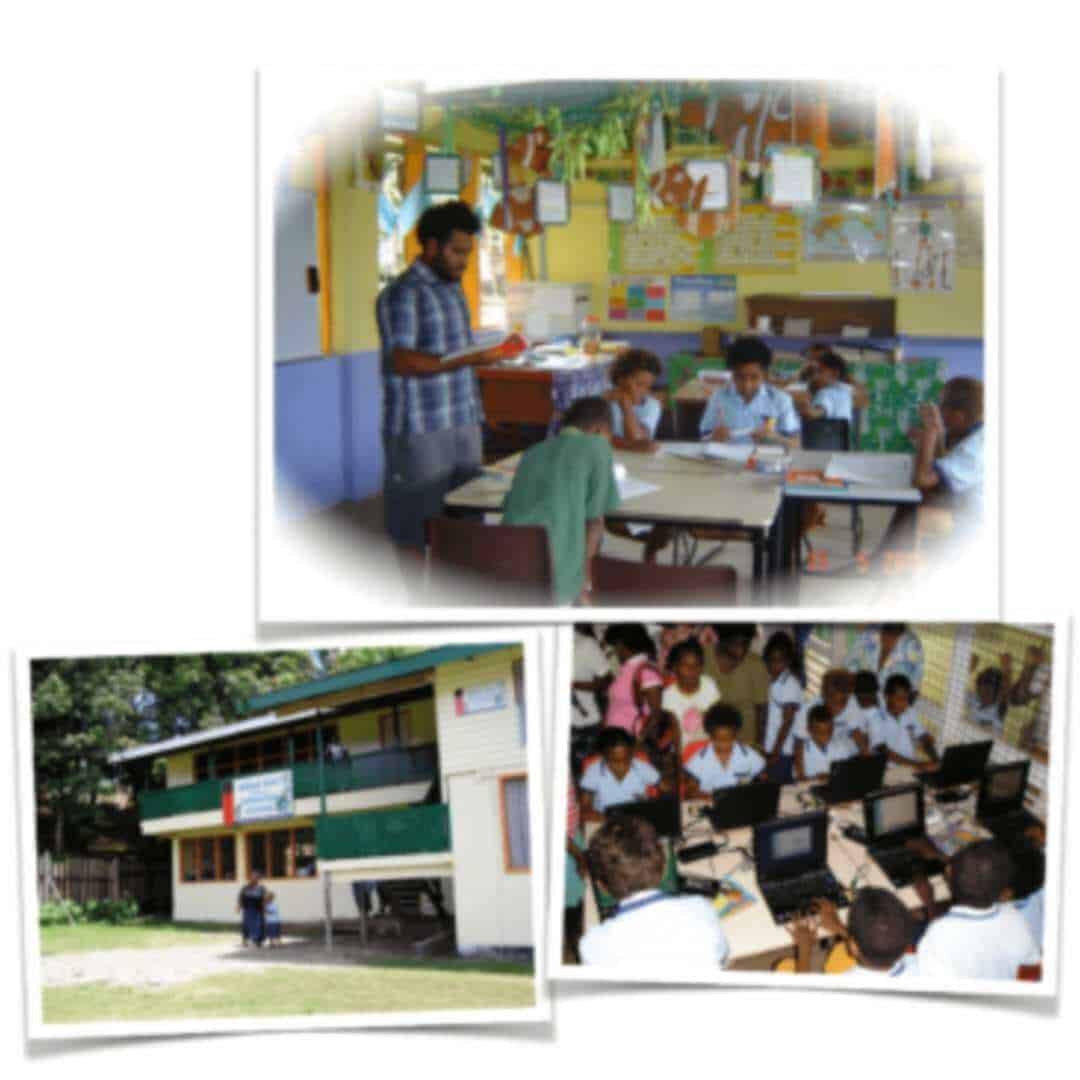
(706, 298)
(637, 299)
(923, 249)
(848, 232)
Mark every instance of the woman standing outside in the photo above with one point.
(251, 903)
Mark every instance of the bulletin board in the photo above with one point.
(635, 298)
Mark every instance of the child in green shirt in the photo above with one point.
(567, 484)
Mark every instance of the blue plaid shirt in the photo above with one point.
(419, 310)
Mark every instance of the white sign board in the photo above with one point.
(488, 697)
(263, 797)
(716, 186)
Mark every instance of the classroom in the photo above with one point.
(776, 287)
(864, 801)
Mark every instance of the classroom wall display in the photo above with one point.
(637, 299)
(922, 249)
(846, 232)
(792, 177)
(710, 298)
(620, 203)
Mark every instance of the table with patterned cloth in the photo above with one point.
(527, 396)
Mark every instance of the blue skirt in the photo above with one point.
(254, 928)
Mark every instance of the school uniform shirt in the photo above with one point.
(902, 734)
(818, 760)
(977, 943)
(712, 774)
(590, 663)
(849, 720)
(907, 965)
(987, 716)
(784, 690)
(871, 722)
(608, 790)
(562, 483)
(648, 413)
(834, 401)
(622, 708)
(906, 657)
(654, 931)
(1033, 908)
(690, 709)
(960, 469)
(727, 408)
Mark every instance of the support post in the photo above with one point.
(328, 912)
(322, 769)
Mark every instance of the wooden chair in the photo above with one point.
(617, 582)
(512, 563)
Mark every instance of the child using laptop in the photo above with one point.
(902, 733)
(814, 755)
(651, 930)
(635, 413)
(785, 699)
(749, 407)
(689, 697)
(618, 775)
(567, 484)
(830, 396)
(723, 761)
(949, 445)
(871, 721)
(878, 934)
(836, 696)
(981, 936)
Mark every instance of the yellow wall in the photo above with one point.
(579, 252)
(363, 727)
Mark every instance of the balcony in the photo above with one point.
(383, 768)
(410, 830)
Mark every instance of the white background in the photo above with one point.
(127, 427)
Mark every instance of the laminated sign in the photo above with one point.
(262, 797)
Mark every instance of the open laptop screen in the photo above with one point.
(1006, 785)
(893, 813)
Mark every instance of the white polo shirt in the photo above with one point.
(974, 943)
(871, 722)
(712, 774)
(608, 790)
(589, 663)
(655, 932)
(902, 735)
(906, 965)
(1033, 909)
(784, 690)
(817, 760)
(690, 709)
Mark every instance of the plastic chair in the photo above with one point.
(616, 581)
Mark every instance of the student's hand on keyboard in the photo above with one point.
(828, 917)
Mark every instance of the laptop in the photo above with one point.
(963, 763)
(1000, 808)
(743, 805)
(791, 862)
(892, 817)
(662, 813)
(852, 779)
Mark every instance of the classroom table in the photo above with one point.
(514, 396)
(754, 938)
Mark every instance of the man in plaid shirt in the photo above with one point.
(431, 408)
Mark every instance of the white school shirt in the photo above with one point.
(871, 722)
(817, 761)
(1033, 908)
(960, 469)
(648, 413)
(784, 690)
(902, 734)
(690, 709)
(977, 943)
(987, 716)
(653, 931)
(849, 720)
(906, 965)
(726, 407)
(589, 663)
(834, 401)
(712, 774)
(608, 790)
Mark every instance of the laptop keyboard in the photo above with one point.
(789, 899)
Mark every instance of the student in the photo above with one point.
(635, 696)
(617, 776)
(723, 761)
(980, 937)
(879, 932)
(824, 745)
(688, 698)
(836, 696)
(785, 699)
(830, 396)
(871, 722)
(635, 413)
(949, 445)
(989, 702)
(577, 871)
(749, 408)
(651, 930)
(567, 484)
(741, 676)
(592, 677)
(903, 734)
(1027, 892)
(273, 921)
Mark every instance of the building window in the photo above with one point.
(261, 755)
(393, 728)
(282, 853)
(208, 858)
(514, 801)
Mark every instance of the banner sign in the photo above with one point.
(263, 796)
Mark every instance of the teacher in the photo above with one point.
(889, 649)
(432, 414)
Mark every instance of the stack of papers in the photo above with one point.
(632, 488)
(873, 469)
(740, 453)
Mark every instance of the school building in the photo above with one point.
(433, 791)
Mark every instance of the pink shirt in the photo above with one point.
(622, 709)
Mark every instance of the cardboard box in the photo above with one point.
(710, 340)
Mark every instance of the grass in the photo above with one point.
(390, 986)
(144, 934)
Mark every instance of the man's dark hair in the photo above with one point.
(881, 927)
(633, 635)
(720, 716)
(749, 350)
(733, 631)
(835, 364)
(691, 646)
(866, 682)
(610, 737)
(819, 714)
(632, 361)
(626, 855)
(980, 873)
(898, 682)
(588, 412)
(439, 221)
(896, 628)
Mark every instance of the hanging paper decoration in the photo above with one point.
(674, 187)
(655, 156)
(884, 149)
(819, 125)
(532, 150)
(521, 219)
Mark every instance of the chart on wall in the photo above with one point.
(923, 250)
(634, 298)
(847, 232)
(707, 298)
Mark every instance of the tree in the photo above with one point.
(338, 660)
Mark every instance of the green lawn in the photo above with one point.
(392, 986)
(145, 934)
